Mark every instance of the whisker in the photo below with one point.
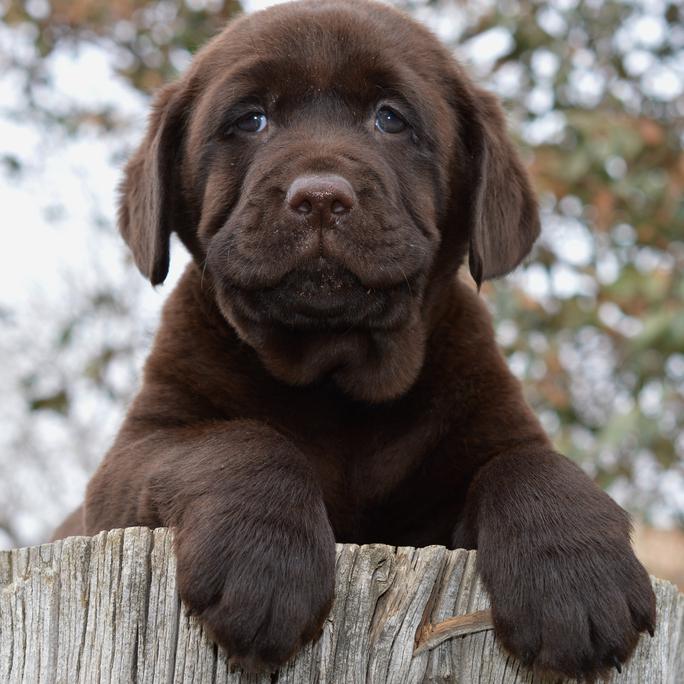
(406, 279)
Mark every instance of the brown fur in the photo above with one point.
(325, 376)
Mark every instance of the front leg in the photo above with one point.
(568, 595)
(256, 553)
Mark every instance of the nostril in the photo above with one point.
(339, 208)
(304, 207)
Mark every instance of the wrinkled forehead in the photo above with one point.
(303, 50)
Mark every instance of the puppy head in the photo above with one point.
(329, 166)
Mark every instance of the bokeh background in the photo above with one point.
(593, 323)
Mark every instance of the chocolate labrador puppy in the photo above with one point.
(320, 373)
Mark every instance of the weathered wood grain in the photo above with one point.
(106, 609)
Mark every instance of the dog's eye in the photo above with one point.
(254, 122)
(388, 121)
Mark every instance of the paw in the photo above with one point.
(575, 613)
(262, 591)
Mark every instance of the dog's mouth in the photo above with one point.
(322, 294)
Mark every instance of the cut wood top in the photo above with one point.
(106, 609)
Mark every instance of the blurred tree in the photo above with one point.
(148, 40)
(593, 324)
(72, 360)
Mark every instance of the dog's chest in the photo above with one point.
(368, 461)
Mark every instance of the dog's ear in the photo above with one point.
(505, 219)
(149, 208)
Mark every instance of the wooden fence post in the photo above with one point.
(106, 609)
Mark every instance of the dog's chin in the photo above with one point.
(324, 324)
(323, 296)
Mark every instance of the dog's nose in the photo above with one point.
(321, 196)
